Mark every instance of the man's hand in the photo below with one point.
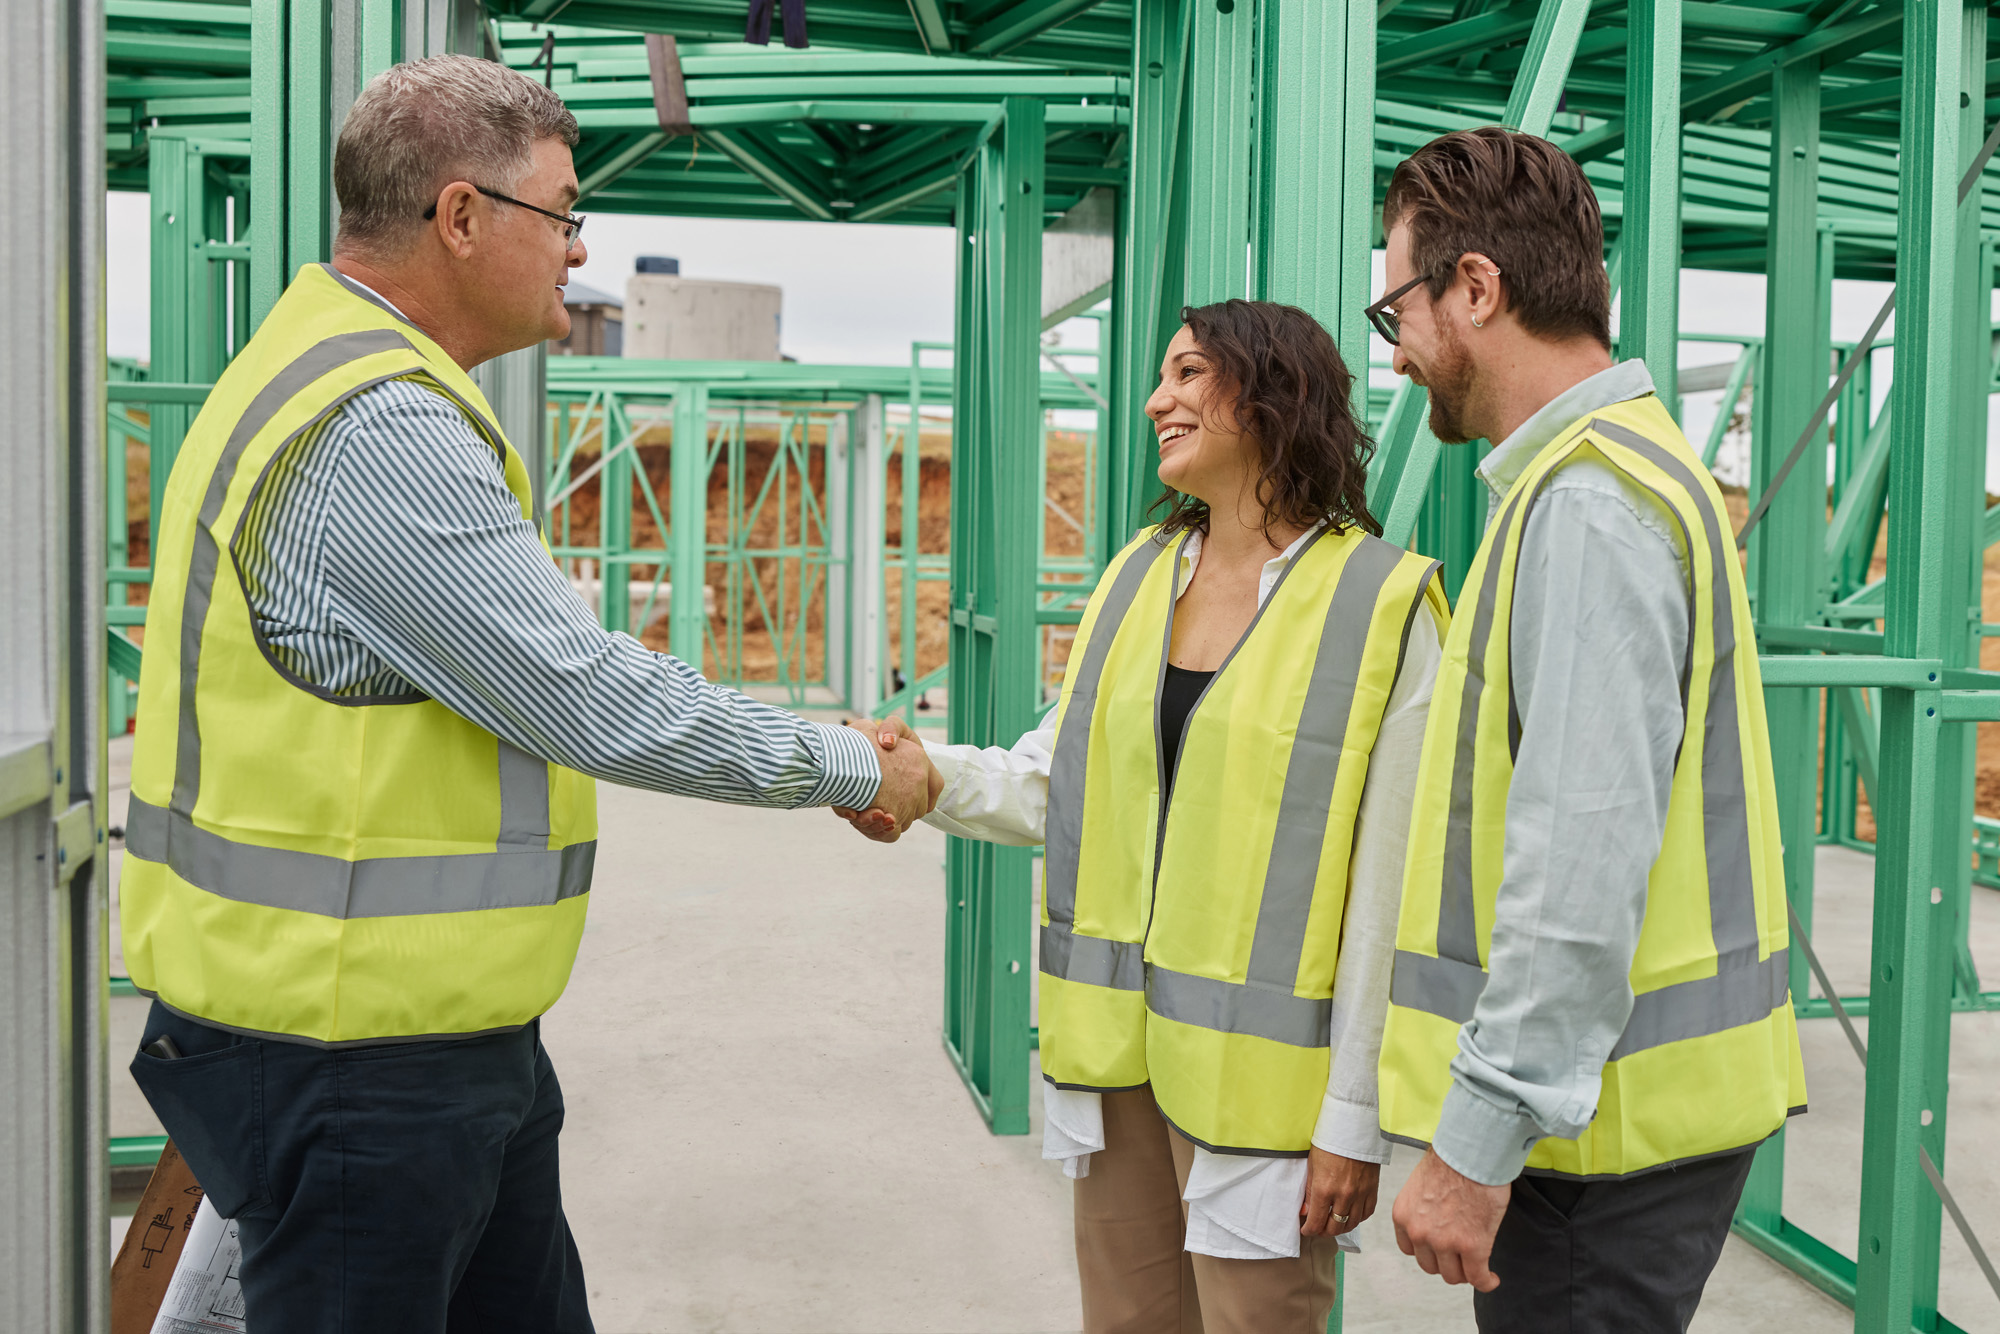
(910, 782)
(1447, 1222)
(1340, 1193)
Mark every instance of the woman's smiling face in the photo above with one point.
(1202, 452)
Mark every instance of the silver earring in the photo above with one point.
(1477, 325)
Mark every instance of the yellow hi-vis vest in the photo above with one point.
(320, 868)
(1709, 1057)
(1200, 956)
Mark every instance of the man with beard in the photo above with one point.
(1589, 1029)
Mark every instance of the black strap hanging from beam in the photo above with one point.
(757, 29)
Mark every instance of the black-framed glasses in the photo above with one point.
(572, 222)
(1387, 322)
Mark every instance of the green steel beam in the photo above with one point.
(1538, 88)
(602, 174)
(1021, 23)
(1749, 78)
(1483, 31)
(781, 177)
(928, 15)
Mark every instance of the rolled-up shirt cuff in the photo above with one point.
(851, 775)
(1479, 1140)
(1350, 1129)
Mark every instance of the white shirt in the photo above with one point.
(1240, 1206)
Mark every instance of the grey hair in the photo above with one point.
(422, 124)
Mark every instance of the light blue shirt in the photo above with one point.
(1598, 636)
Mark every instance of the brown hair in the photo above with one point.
(1523, 203)
(1291, 393)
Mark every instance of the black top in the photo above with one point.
(1178, 695)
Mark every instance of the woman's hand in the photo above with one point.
(1340, 1193)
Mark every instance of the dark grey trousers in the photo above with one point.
(1611, 1257)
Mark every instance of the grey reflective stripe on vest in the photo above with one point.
(373, 887)
(1458, 925)
(1235, 1007)
(320, 360)
(1694, 1009)
(1732, 901)
(1744, 988)
(524, 799)
(1104, 963)
(1119, 964)
(1313, 767)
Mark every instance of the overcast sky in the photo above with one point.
(859, 294)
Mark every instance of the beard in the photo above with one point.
(1449, 378)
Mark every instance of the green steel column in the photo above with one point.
(687, 619)
(968, 864)
(291, 188)
(995, 642)
(1910, 977)
(1017, 507)
(1152, 277)
(1786, 548)
(1958, 759)
(912, 532)
(614, 521)
(1316, 164)
(1649, 314)
(174, 229)
(268, 141)
(309, 146)
(1221, 106)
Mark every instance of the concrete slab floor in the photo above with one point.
(764, 1138)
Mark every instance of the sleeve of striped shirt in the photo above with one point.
(430, 564)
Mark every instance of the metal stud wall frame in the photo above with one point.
(1248, 142)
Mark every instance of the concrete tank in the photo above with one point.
(698, 319)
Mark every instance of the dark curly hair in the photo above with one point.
(1293, 399)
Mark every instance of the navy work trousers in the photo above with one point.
(410, 1188)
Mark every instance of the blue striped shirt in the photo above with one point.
(384, 559)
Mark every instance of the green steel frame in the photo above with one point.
(1247, 142)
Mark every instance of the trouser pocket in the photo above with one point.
(211, 1101)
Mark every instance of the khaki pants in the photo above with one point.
(1130, 1227)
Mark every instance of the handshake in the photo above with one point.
(910, 782)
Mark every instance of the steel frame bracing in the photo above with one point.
(1247, 142)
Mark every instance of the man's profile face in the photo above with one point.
(1430, 350)
(525, 262)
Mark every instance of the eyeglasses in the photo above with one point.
(1387, 322)
(572, 223)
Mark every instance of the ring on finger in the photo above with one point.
(1340, 1218)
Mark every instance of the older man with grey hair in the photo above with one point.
(362, 820)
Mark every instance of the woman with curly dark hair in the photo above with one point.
(1224, 795)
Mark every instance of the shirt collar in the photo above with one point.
(1191, 552)
(1511, 457)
